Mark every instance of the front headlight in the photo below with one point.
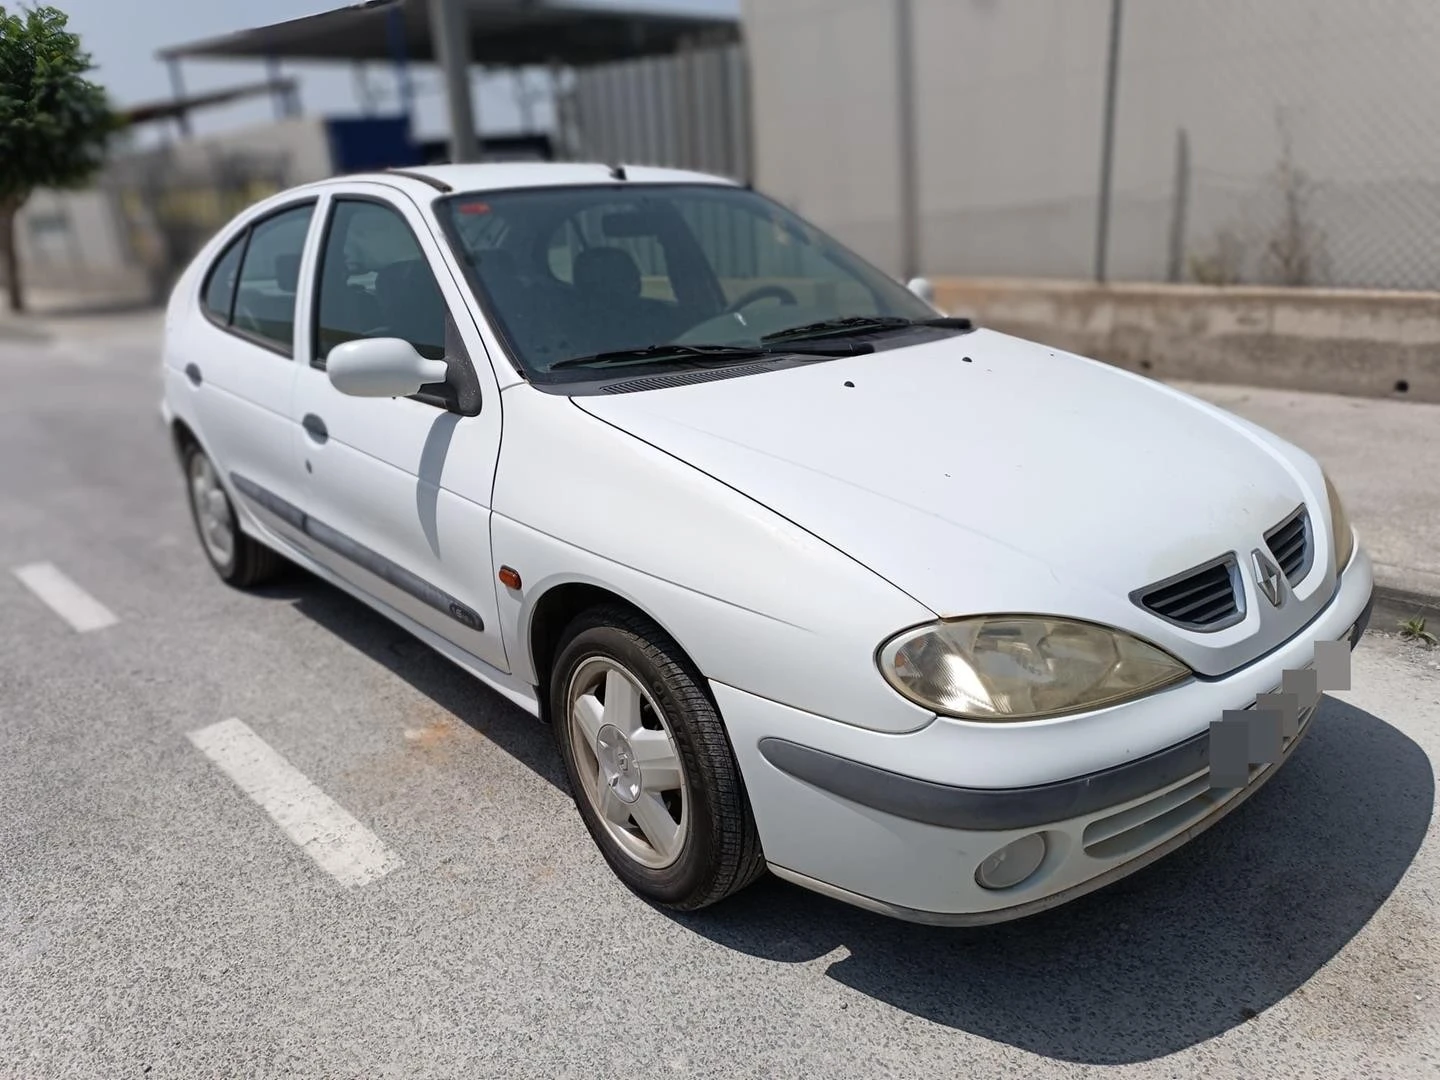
(1340, 526)
(1022, 667)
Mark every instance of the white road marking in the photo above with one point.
(318, 825)
(68, 600)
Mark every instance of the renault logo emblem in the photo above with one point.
(1268, 577)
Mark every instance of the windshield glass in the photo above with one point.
(574, 272)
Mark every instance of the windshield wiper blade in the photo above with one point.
(858, 324)
(662, 354)
(666, 352)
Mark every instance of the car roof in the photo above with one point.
(527, 174)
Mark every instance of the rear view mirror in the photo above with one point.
(629, 223)
(381, 367)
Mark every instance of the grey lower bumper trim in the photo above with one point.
(986, 809)
(1043, 903)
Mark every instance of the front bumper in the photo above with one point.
(843, 823)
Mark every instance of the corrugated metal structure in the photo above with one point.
(687, 110)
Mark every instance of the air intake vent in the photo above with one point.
(1290, 543)
(1205, 598)
(683, 378)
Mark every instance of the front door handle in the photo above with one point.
(193, 374)
(315, 427)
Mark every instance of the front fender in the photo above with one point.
(755, 601)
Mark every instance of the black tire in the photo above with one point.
(250, 563)
(721, 852)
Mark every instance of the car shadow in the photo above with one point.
(468, 699)
(1184, 950)
(1178, 953)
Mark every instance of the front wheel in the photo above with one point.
(649, 762)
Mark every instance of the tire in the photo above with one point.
(243, 562)
(716, 850)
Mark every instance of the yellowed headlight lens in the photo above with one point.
(1340, 526)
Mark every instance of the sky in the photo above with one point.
(122, 37)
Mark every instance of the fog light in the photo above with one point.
(1013, 863)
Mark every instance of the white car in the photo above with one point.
(804, 575)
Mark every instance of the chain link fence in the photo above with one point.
(1286, 142)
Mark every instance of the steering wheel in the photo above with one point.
(764, 292)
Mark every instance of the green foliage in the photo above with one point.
(1413, 629)
(54, 122)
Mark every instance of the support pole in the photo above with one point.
(1179, 209)
(450, 36)
(399, 55)
(177, 90)
(909, 167)
(1107, 146)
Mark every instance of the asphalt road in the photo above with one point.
(154, 921)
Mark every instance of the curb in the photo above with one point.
(1400, 604)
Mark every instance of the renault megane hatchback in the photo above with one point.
(804, 575)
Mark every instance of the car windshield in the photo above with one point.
(570, 273)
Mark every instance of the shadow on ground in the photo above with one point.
(1179, 953)
(1182, 951)
(470, 701)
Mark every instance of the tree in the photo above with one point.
(54, 123)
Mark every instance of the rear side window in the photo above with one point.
(264, 306)
(220, 288)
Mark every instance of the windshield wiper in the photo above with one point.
(859, 324)
(661, 354)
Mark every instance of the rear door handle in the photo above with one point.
(315, 427)
(193, 374)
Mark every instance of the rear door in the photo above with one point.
(234, 367)
(397, 496)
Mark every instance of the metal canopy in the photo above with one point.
(502, 33)
(176, 108)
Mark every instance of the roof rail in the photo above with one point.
(438, 185)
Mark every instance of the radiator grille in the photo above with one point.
(1290, 543)
(1205, 598)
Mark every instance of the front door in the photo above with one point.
(398, 496)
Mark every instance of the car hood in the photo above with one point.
(983, 473)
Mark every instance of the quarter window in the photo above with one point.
(376, 282)
(265, 293)
(220, 288)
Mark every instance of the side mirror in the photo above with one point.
(381, 367)
(922, 288)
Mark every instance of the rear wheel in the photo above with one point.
(240, 560)
(649, 762)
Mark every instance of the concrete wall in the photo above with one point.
(1009, 117)
(824, 115)
(1362, 343)
(105, 239)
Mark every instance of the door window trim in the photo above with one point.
(243, 237)
(460, 357)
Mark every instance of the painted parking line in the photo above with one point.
(68, 600)
(318, 825)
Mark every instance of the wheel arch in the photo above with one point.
(182, 437)
(557, 607)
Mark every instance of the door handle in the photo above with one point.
(315, 427)
(193, 374)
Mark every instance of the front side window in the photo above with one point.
(265, 293)
(375, 282)
(570, 273)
